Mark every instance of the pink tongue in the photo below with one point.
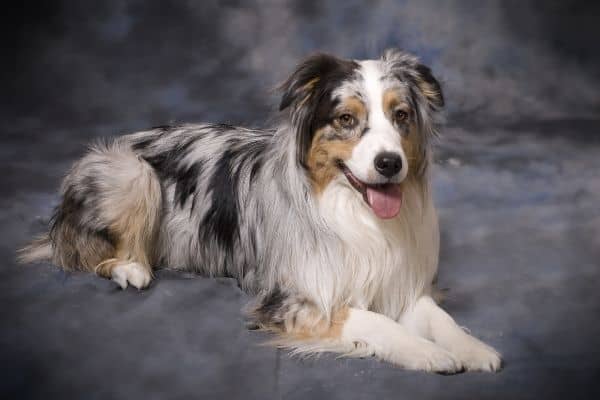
(385, 201)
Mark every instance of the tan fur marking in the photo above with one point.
(336, 324)
(325, 152)
(392, 100)
(308, 89)
(411, 143)
(323, 329)
(135, 229)
(310, 84)
(323, 156)
(104, 269)
(131, 206)
(355, 106)
(90, 251)
(38, 250)
(309, 323)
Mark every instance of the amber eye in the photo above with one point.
(346, 120)
(400, 116)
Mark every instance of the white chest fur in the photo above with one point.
(385, 264)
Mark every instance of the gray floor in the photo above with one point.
(521, 235)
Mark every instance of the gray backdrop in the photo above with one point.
(516, 181)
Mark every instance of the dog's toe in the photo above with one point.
(478, 356)
(430, 357)
(131, 273)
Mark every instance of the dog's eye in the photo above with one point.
(400, 116)
(347, 120)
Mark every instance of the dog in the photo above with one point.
(327, 219)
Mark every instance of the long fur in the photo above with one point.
(229, 201)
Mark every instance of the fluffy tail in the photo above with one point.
(39, 250)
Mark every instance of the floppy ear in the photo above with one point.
(301, 85)
(429, 86)
(306, 89)
(407, 66)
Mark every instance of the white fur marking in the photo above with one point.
(385, 265)
(390, 341)
(382, 135)
(133, 273)
(429, 320)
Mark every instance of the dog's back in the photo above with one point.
(149, 198)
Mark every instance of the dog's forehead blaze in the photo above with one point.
(324, 154)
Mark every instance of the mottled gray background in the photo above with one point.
(516, 182)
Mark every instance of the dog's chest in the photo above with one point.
(387, 264)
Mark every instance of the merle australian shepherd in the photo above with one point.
(327, 218)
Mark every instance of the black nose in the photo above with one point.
(388, 164)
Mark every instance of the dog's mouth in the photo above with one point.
(385, 199)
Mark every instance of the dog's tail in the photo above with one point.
(38, 250)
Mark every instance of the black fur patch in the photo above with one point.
(271, 308)
(425, 72)
(168, 166)
(256, 167)
(75, 201)
(221, 220)
(308, 91)
(168, 163)
(145, 142)
(185, 182)
(253, 153)
(75, 222)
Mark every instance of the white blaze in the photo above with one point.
(382, 136)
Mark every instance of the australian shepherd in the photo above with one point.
(327, 218)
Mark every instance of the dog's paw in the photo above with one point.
(131, 273)
(477, 356)
(427, 356)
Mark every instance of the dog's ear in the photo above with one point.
(307, 90)
(407, 66)
(306, 79)
(429, 86)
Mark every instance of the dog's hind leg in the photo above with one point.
(108, 216)
(132, 205)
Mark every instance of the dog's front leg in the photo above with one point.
(427, 319)
(392, 342)
(353, 332)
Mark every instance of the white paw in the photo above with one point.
(131, 273)
(427, 356)
(476, 355)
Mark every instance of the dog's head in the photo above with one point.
(368, 120)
